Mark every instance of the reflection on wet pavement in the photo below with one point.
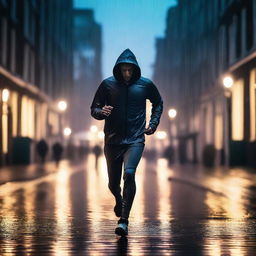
(180, 211)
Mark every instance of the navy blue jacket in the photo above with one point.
(126, 123)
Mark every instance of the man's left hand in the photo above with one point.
(149, 131)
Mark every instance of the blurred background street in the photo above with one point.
(196, 182)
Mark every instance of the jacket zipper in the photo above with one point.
(126, 107)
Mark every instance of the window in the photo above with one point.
(4, 41)
(53, 120)
(24, 116)
(227, 46)
(238, 36)
(232, 42)
(219, 5)
(26, 63)
(237, 109)
(26, 18)
(14, 105)
(13, 51)
(253, 105)
(40, 120)
(27, 117)
(14, 9)
(42, 78)
(34, 3)
(227, 3)
(5, 130)
(218, 124)
(32, 67)
(249, 26)
(31, 118)
(209, 124)
(4, 2)
(32, 28)
(42, 13)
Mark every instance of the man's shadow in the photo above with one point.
(122, 245)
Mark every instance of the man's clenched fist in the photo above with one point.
(106, 110)
(149, 130)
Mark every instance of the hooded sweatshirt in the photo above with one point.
(127, 121)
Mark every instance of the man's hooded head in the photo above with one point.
(125, 62)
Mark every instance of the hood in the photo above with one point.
(126, 57)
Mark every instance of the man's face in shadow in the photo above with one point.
(127, 71)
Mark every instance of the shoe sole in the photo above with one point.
(120, 232)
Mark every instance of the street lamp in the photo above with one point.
(101, 135)
(4, 119)
(62, 105)
(67, 132)
(94, 134)
(161, 135)
(227, 83)
(93, 128)
(172, 113)
(5, 95)
(160, 141)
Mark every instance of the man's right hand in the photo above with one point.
(106, 110)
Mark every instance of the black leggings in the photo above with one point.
(129, 155)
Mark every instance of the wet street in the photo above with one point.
(183, 210)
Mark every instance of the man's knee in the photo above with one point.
(129, 175)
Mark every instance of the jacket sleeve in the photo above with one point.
(98, 103)
(157, 106)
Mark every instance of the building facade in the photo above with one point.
(206, 41)
(87, 66)
(35, 72)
